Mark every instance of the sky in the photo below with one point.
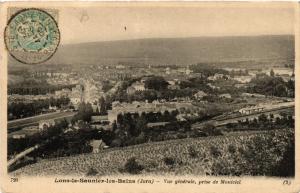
(120, 22)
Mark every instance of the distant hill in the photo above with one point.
(176, 50)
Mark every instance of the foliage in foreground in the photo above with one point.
(267, 153)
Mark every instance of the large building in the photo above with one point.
(45, 124)
(144, 107)
(137, 86)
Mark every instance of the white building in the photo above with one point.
(243, 79)
(250, 110)
(120, 67)
(226, 95)
(200, 95)
(45, 124)
(139, 86)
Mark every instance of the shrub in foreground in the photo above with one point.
(132, 166)
(92, 172)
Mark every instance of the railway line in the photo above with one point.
(36, 119)
(223, 121)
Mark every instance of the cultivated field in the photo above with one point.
(242, 153)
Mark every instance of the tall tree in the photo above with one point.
(272, 73)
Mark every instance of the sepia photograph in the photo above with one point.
(136, 89)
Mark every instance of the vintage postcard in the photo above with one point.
(149, 97)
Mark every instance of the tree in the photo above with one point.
(211, 130)
(132, 166)
(85, 112)
(280, 90)
(262, 118)
(156, 83)
(140, 125)
(272, 74)
(97, 111)
(102, 105)
(92, 172)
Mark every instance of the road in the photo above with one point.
(36, 119)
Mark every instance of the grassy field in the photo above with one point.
(243, 153)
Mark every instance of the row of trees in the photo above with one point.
(35, 87)
(263, 122)
(18, 110)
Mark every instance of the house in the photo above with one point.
(240, 85)
(200, 95)
(188, 71)
(45, 124)
(31, 128)
(19, 136)
(99, 119)
(173, 87)
(69, 129)
(75, 100)
(97, 145)
(95, 107)
(171, 82)
(243, 79)
(139, 86)
(62, 93)
(130, 90)
(53, 108)
(226, 95)
(168, 70)
(250, 110)
(120, 67)
(212, 86)
(216, 76)
(253, 95)
(180, 117)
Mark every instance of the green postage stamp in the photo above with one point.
(32, 35)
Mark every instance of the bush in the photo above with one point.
(231, 149)
(92, 172)
(132, 166)
(224, 168)
(211, 130)
(192, 152)
(215, 152)
(169, 161)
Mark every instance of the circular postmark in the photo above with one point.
(31, 36)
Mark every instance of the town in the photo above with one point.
(71, 111)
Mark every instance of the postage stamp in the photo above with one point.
(32, 36)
